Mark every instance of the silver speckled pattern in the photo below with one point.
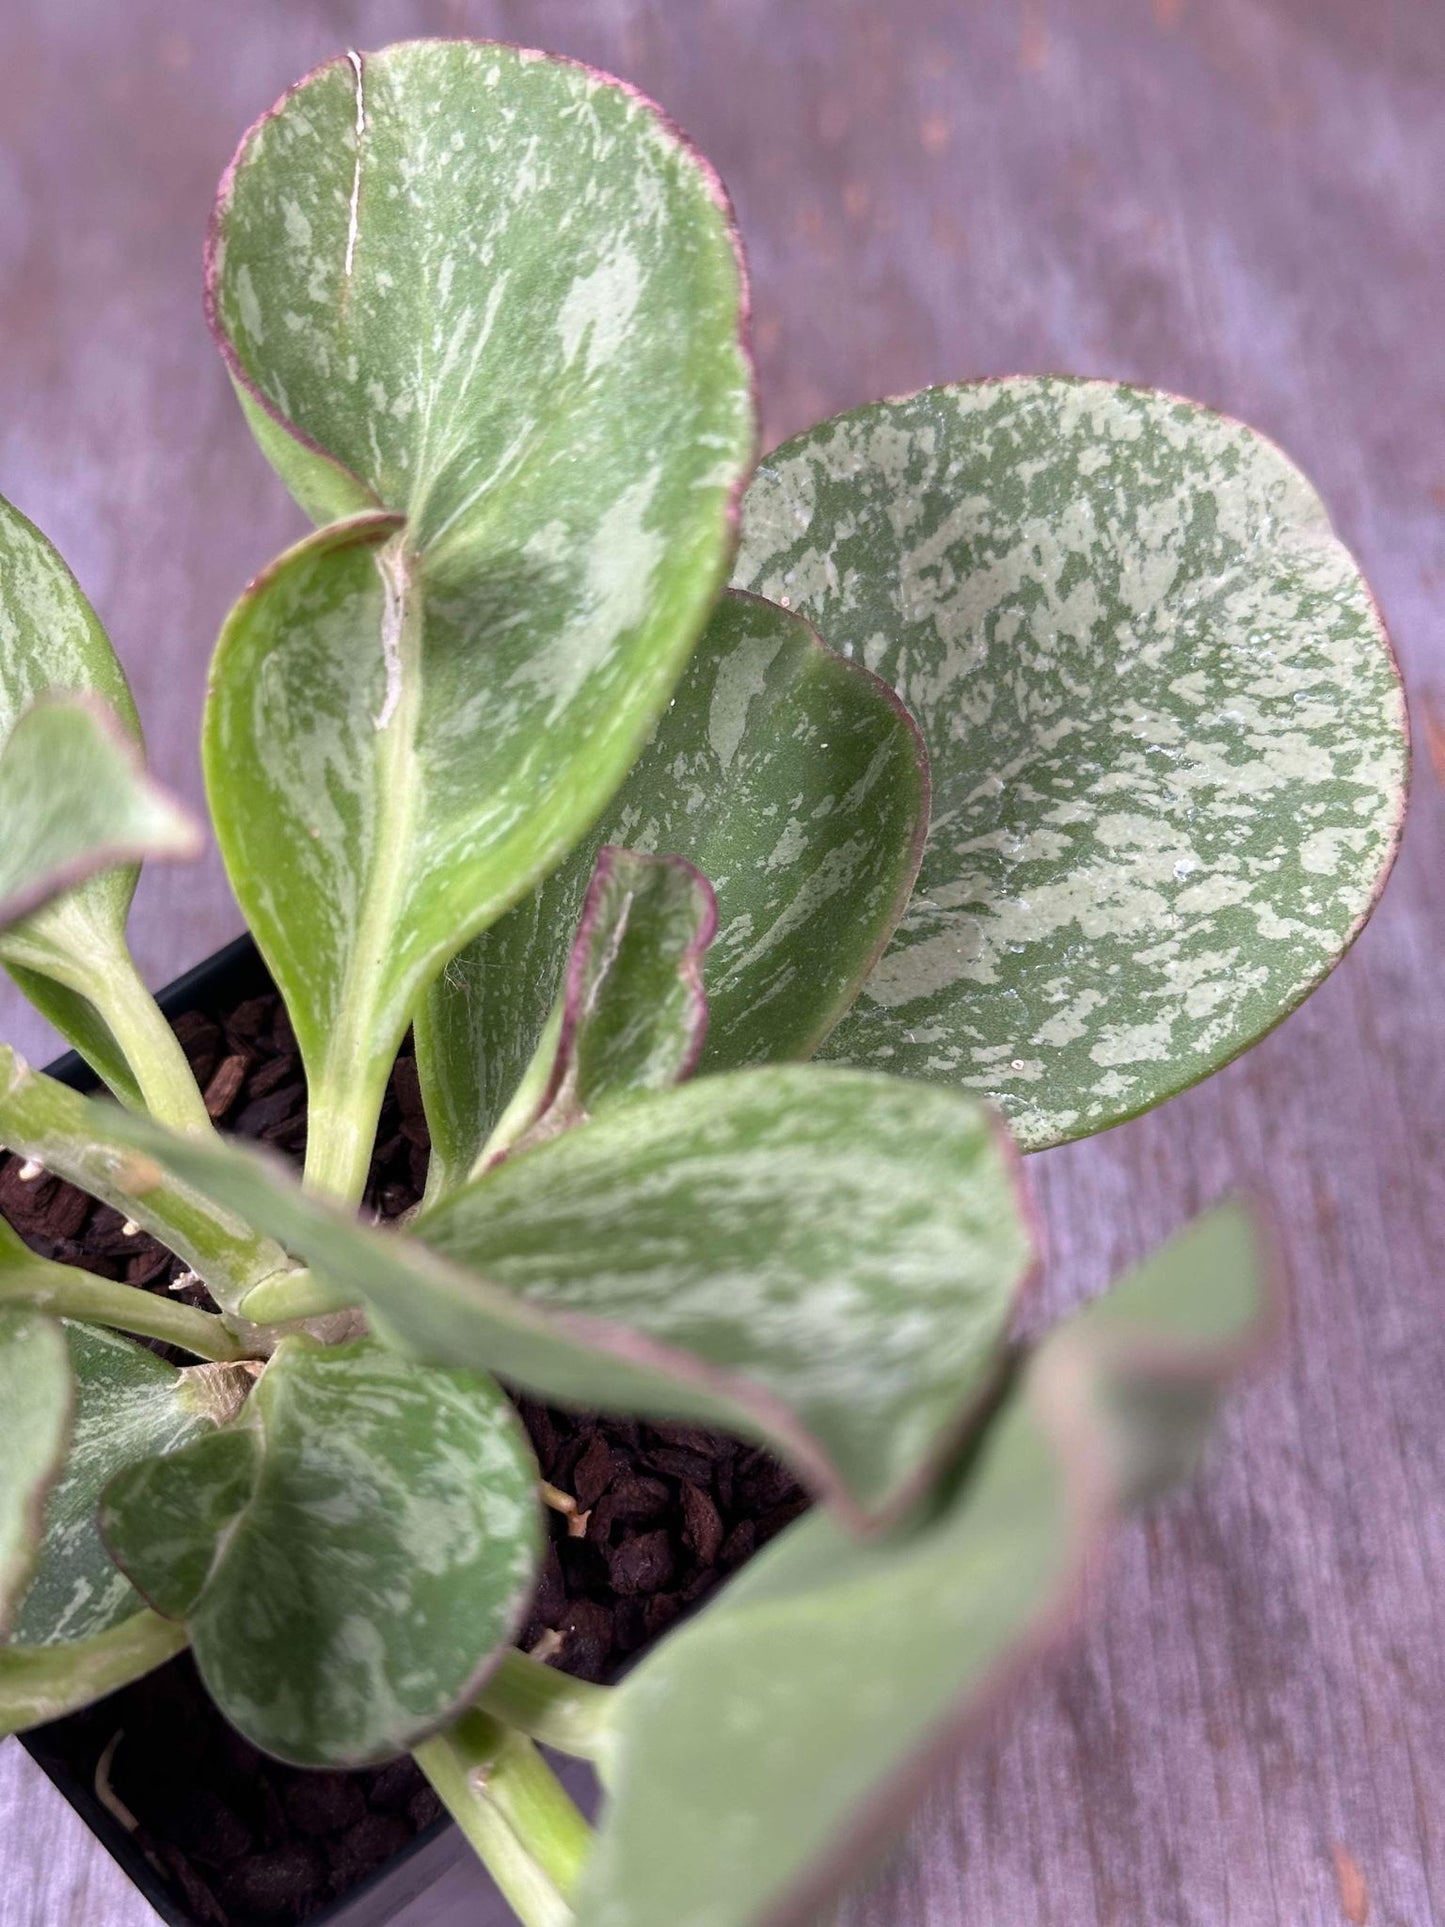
(1166, 729)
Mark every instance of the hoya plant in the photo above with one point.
(758, 855)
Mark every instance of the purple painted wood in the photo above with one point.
(1234, 198)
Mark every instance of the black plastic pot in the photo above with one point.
(217, 985)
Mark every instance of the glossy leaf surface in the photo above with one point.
(1165, 726)
(76, 1138)
(850, 1248)
(497, 295)
(36, 1395)
(129, 1405)
(51, 640)
(820, 1259)
(75, 799)
(631, 1015)
(166, 1516)
(762, 1751)
(798, 786)
(372, 1545)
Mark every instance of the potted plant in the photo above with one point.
(1045, 750)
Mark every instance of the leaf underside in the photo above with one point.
(351, 1559)
(1165, 726)
(765, 1749)
(794, 781)
(495, 295)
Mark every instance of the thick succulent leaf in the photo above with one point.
(370, 1554)
(36, 1395)
(798, 785)
(129, 1405)
(40, 1683)
(761, 1751)
(75, 799)
(50, 640)
(631, 1015)
(74, 1137)
(498, 295)
(166, 1517)
(820, 1259)
(852, 1251)
(1166, 729)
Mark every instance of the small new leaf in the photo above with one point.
(631, 1015)
(761, 1753)
(798, 784)
(1166, 729)
(75, 799)
(351, 1559)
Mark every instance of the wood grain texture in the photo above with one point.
(1238, 199)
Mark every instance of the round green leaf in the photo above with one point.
(349, 1581)
(798, 785)
(498, 295)
(1166, 730)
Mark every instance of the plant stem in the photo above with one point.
(287, 1296)
(150, 1045)
(569, 1714)
(515, 1813)
(340, 1138)
(71, 1293)
(39, 1683)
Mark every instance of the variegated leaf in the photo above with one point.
(75, 799)
(36, 1395)
(763, 1751)
(351, 1573)
(498, 296)
(820, 1259)
(631, 1015)
(129, 1405)
(850, 1249)
(70, 957)
(167, 1517)
(1165, 723)
(798, 785)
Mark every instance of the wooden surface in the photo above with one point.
(1240, 199)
